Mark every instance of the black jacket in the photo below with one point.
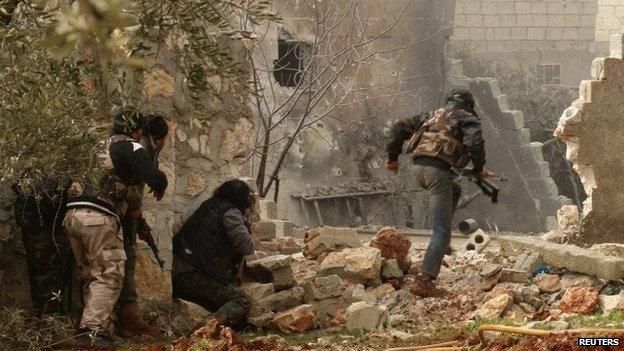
(466, 130)
(211, 242)
(134, 165)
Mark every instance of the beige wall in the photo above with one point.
(547, 31)
(610, 20)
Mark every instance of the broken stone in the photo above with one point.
(269, 229)
(297, 319)
(280, 301)
(361, 265)
(323, 288)
(359, 293)
(366, 316)
(514, 276)
(579, 299)
(528, 262)
(381, 291)
(609, 249)
(268, 246)
(256, 291)
(262, 321)
(396, 298)
(494, 307)
(490, 282)
(390, 270)
(568, 218)
(327, 239)
(610, 303)
(548, 283)
(330, 308)
(272, 269)
(569, 280)
(490, 269)
(393, 245)
(554, 236)
(288, 246)
(268, 209)
(571, 257)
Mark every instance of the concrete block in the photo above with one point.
(569, 34)
(268, 209)
(474, 21)
(519, 34)
(572, 8)
(571, 20)
(571, 257)
(553, 33)
(472, 7)
(536, 33)
(555, 21)
(555, 8)
(528, 262)
(489, 8)
(491, 21)
(525, 135)
(514, 276)
(269, 229)
(523, 7)
(489, 34)
(508, 20)
(478, 241)
(506, 8)
(502, 33)
(524, 20)
(477, 34)
(539, 7)
(518, 118)
(616, 46)
(540, 20)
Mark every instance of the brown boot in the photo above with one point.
(424, 286)
(131, 324)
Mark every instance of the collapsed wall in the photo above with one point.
(529, 199)
(593, 132)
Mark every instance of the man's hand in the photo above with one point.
(393, 166)
(159, 195)
(485, 174)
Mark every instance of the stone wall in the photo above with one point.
(549, 32)
(609, 21)
(592, 129)
(529, 199)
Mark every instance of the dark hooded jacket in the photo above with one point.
(213, 240)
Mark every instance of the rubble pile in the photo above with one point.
(332, 281)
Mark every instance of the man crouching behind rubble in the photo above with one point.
(448, 138)
(209, 248)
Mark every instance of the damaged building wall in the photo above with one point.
(551, 33)
(592, 130)
(528, 199)
(348, 145)
(609, 21)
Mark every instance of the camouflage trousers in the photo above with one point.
(128, 291)
(49, 269)
(224, 299)
(97, 243)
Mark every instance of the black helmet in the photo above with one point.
(127, 121)
(461, 98)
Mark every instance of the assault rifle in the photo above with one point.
(145, 233)
(487, 187)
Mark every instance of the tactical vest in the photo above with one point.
(435, 139)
